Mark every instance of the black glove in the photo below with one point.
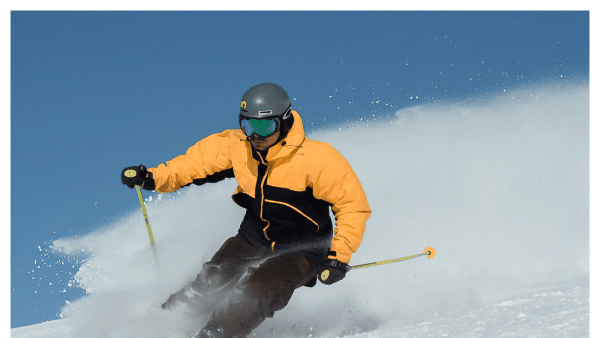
(333, 271)
(132, 176)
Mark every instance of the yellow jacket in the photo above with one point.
(287, 194)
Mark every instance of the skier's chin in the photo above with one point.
(265, 143)
(260, 145)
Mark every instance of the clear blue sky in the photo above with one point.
(93, 92)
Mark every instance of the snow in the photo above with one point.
(498, 186)
(549, 314)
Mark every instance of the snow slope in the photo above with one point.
(547, 314)
(497, 185)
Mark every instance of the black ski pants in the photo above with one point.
(257, 282)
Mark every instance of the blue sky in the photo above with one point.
(94, 92)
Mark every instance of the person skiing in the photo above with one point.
(287, 183)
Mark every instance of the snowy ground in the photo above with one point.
(499, 187)
(548, 314)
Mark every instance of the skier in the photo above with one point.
(286, 183)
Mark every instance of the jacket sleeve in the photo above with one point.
(207, 160)
(337, 183)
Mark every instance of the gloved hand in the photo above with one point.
(333, 271)
(132, 176)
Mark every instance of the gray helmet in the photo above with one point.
(266, 100)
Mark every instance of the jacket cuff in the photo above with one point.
(334, 255)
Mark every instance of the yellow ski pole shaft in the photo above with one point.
(145, 214)
(430, 252)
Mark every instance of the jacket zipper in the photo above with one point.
(262, 201)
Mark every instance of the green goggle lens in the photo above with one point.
(260, 127)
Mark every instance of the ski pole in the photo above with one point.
(430, 252)
(132, 173)
(137, 187)
(145, 214)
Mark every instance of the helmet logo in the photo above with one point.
(243, 104)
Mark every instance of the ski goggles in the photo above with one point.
(261, 127)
